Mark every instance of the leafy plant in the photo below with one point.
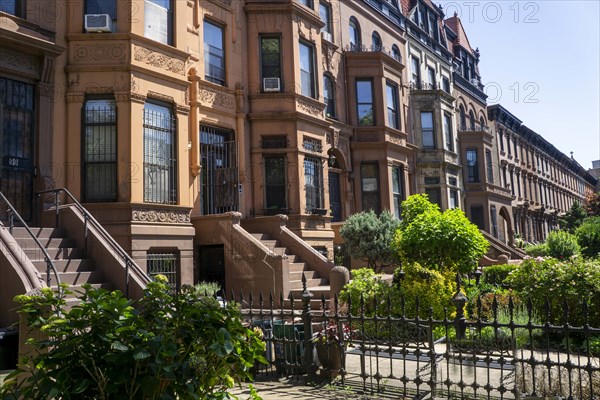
(537, 250)
(497, 274)
(183, 346)
(573, 218)
(207, 288)
(366, 286)
(562, 285)
(592, 204)
(562, 244)
(369, 237)
(588, 237)
(438, 240)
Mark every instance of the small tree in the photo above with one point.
(441, 241)
(369, 237)
(573, 218)
(592, 205)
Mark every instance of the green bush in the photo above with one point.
(537, 250)
(183, 346)
(365, 287)
(562, 244)
(588, 237)
(369, 237)
(559, 282)
(497, 274)
(434, 290)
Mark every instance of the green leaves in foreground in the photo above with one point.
(181, 346)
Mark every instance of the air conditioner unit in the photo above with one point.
(326, 36)
(98, 23)
(271, 85)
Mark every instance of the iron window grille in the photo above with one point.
(274, 142)
(312, 145)
(160, 159)
(166, 264)
(99, 150)
(313, 183)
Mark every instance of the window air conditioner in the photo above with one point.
(326, 36)
(271, 85)
(98, 23)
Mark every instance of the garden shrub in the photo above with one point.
(562, 244)
(497, 274)
(175, 346)
(365, 287)
(537, 250)
(434, 289)
(560, 282)
(588, 237)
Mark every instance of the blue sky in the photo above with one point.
(541, 61)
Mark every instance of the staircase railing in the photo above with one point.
(89, 219)
(50, 267)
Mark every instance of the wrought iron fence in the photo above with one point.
(387, 348)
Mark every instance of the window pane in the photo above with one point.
(427, 130)
(370, 186)
(158, 21)
(392, 107)
(275, 182)
(306, 70)
(329, 96)
(313, 183)
(214, 53)
(270, 57)
(324, 13)
(364, 100)
(98, 7)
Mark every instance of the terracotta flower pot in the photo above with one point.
(330, 357)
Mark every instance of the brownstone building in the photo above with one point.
(229, 140)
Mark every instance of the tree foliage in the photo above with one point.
(439, 240)
(182, 346)
(573, 218)
(368, 237)
(592, 205)
(588, 237)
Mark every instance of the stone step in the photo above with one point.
(315, 304)
(73, 265)
(79, 278)
(298, 267)
(55, 253)
(270, 243)
(313, 282)
(261, 236)
(78, 289)
(19, 232)
(317, 291)
(297, 275)
(29, 243)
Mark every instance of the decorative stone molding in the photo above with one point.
(309, 108)
(100, 52)
(162, 216)
(158, 60)
(195, 170)
(224, 100)
(20, 63)
(161, 97)
(74, 97)
(47, 90)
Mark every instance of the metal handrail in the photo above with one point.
(49, 264)
(129, 263)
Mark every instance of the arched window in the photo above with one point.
(463, 119)
(329, 96)
(482, 123)
(396, 53)
(376, 44)
(472, 120)
(354, 34)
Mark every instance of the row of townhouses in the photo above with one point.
(229, 140)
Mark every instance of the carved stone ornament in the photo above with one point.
(162, 216)
(103, 52)
(217, 99)
(159, 60)
(21, 63)
(309, 108)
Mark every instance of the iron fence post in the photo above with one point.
(459, 300)
(309, 362)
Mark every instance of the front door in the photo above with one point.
(219, 179)
(16, 146)
(335, 198)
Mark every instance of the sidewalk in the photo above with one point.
(296, 388)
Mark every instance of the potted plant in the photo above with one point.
(330, 343)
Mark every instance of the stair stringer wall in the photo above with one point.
(18, 276)
(250, 266)
(105, 257)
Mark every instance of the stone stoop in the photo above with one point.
(316, 284)
(72, 267)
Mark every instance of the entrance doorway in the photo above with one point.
(17, 145)
(211, 265)
(335, 197)
(219, 180)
